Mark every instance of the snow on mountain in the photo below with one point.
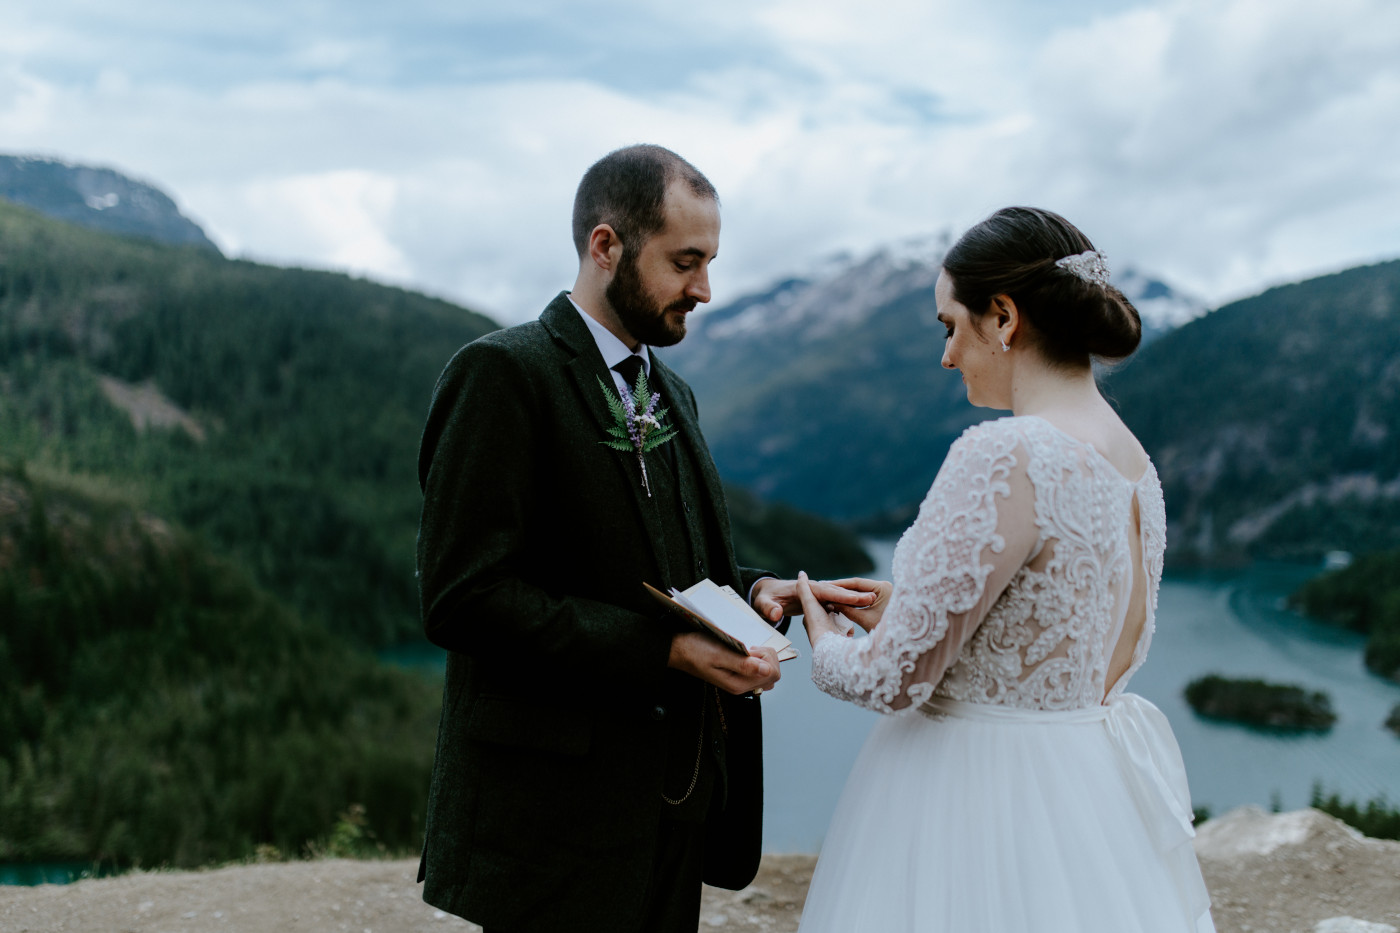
(841, 291)
(97, 198)
(1161, 306)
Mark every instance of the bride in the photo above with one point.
(1020, 790)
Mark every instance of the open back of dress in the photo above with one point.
(1029, 579)
(1033, 793)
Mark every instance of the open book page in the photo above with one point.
(727, 615)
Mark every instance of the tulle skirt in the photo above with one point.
(983, 819)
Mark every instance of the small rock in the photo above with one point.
(1352, 925)
(718, 920)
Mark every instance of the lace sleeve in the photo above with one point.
(975, 529)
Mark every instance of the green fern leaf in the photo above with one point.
(656, 439)
(615, 404)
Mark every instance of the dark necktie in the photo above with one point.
(629, 369)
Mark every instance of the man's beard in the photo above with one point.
(638, 311)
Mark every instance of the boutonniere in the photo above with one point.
(636, 422)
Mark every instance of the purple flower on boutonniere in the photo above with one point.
(636, 422)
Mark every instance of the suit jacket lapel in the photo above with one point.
(585, 368)
(586, 364)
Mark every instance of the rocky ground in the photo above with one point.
(1300, 872)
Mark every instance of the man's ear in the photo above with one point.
(604, 247)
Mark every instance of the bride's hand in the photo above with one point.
(815, 617)
(868, 617)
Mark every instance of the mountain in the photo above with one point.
(208, 510)
(826, 391)
(273, 412)
(97, 198)
(1273, 420)
(1162, 307)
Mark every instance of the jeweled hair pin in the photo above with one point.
(1090, 265)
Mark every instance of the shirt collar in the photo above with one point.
(614, 351)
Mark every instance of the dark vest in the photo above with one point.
(695, 741)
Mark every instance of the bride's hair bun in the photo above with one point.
(1018, 252)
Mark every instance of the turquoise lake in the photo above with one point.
(1233, 624)
(1229, 623)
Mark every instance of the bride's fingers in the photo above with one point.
(810, 605)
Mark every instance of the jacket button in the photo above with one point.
(658, 713)
(701, 566)
(686, 506)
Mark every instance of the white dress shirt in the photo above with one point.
(614, 351)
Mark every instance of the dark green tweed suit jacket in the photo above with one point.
(534, 543)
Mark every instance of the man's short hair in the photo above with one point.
(626, 189)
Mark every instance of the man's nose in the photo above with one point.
(699, 287)
(947, 363)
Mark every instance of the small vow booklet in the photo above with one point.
(726, 615)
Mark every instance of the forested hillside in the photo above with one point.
(308, 390)
(160, 709)
(1364, 597)
(1275, 421)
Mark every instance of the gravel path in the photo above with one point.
(1300, 872)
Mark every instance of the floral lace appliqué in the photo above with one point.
(1030, 625)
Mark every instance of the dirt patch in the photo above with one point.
(1268, 873)
(148, 407)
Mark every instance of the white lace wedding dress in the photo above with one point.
(1019, 791)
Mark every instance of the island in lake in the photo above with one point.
(1261, 704)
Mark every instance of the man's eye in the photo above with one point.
(948, 336)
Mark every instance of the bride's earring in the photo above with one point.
(1004, 347)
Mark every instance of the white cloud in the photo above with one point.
(1224, 144)
(340, 217)
(1214, 139)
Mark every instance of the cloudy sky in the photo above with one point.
(1225, 145)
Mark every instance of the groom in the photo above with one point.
(595, 762)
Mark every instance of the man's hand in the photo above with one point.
(774, 599)
(701, 656)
